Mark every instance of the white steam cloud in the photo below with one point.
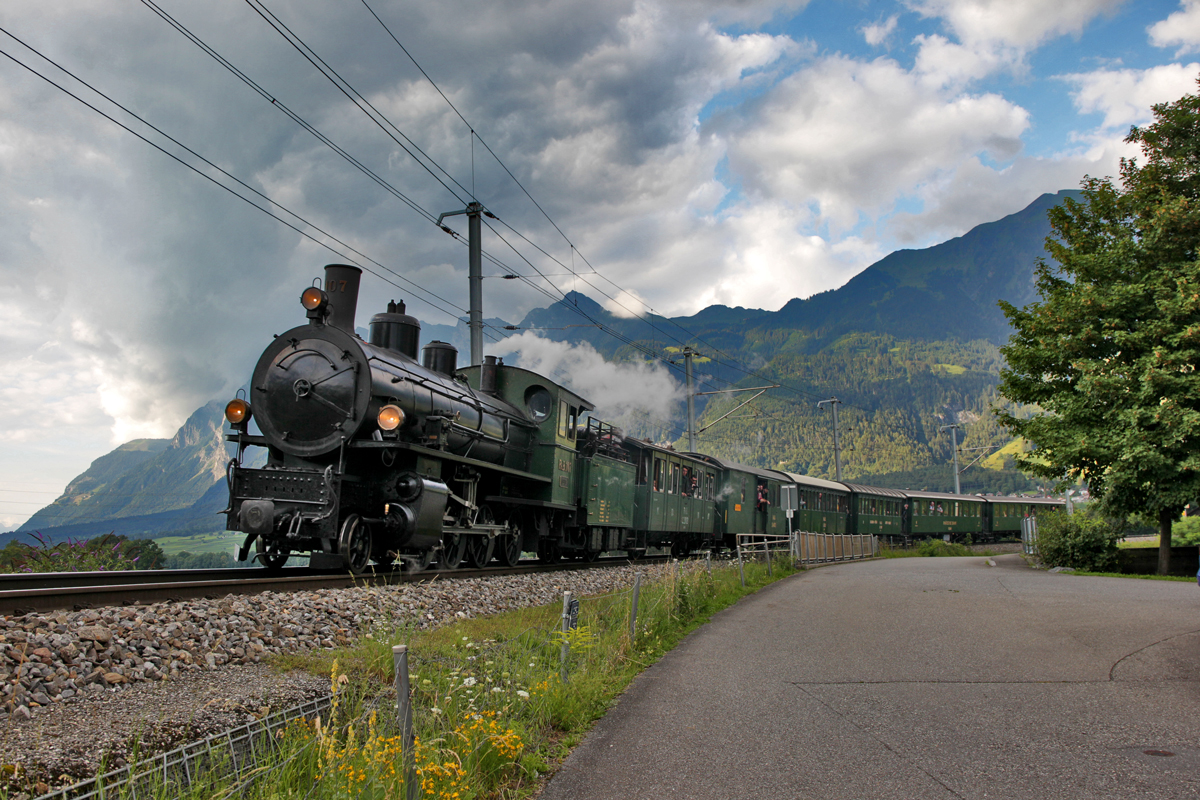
(625, 393)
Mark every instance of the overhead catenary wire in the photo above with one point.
(728, 360)
(410, 284)
(385, 124)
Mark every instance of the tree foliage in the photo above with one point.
(1109, 352)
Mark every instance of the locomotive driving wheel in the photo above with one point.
(454, 550)
(270, 555)
(510, 549)
(481, 548)
(354, 543)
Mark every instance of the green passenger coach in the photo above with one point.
(822, 506)
(940, 513)
(877, 511)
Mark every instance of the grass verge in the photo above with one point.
(492, 713)
(936, 548)
(1184, 578)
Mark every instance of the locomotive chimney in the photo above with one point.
(341, 284)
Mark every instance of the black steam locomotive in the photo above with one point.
(373, 456)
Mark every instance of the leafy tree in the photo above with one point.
(1109, 352)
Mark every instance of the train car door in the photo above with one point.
(658, 495)
(674, 484)
(762, 505)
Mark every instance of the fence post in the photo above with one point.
(741, 571)
(767, 547)
(404, 716)
(637, 588)
(708, 562)
(566, 627)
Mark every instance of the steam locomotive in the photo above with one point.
(372, 456)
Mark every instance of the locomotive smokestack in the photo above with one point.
(341, 284)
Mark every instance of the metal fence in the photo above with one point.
(1029, 535)
(806, 548)
(223, 754)
(818, 548)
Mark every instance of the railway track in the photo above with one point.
(55, 591)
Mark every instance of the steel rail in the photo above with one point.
(56, 591)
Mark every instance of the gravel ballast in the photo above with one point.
(78, 688)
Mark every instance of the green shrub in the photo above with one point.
(938, 547)
(1081, 541)
(1186, 531)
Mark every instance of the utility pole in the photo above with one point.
(474, 274)
(691, 398)
(954, 439)
(837, 442)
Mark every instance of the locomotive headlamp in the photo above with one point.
(237, 412)
(390, 417)
(313, 298)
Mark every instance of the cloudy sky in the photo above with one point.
(692, 151)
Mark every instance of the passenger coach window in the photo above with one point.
(658, 476)
(674, 488)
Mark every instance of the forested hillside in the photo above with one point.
(895, 395)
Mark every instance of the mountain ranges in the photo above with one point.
(907, 346)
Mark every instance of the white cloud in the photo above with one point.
(1125, 96)
(994, 35)
(1014, 23)
(877, 33)
(851, 137)
(1181, 29)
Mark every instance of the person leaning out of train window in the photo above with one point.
(762, 497)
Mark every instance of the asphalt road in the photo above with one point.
(915, 678)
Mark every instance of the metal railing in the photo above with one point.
(819, 548)
(806, 548)
(1029, 535)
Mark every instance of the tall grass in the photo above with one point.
(492, 714)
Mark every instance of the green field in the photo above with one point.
(200, 543)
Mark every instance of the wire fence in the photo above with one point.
(221, 755)
(476, 677)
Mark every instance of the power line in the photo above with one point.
(728, 360)
(353, 95)
(411, 285)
